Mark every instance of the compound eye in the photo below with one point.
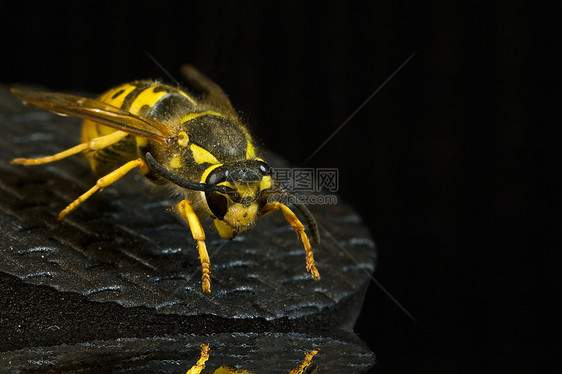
(217, 176)
(217, 203)
(264, 168)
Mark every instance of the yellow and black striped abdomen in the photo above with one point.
(147, 99)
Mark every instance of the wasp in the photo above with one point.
(305, 368)
(197, 145)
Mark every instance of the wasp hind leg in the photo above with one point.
(200, 365)
(299, 230)
(106, 181)
(187, 212)
(93, 145)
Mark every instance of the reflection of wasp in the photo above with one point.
(304, 368)
(200, 146)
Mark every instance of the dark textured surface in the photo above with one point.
(123, 266)
(259, 353)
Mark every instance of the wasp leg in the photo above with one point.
(105, 181)
(299, 230)
(187, 212)
(305, 364)
(200, 365)
(93, 145)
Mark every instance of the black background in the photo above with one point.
(447, 164)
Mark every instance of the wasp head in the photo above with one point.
(239, 207)
(234, 192)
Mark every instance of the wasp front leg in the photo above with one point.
(187, 212)
(104, 182)
(299, 230)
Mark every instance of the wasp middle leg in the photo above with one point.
(106, 181)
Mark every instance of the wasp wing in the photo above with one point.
(98, 112)
(211, 91)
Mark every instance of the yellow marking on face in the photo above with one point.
(237, 219)
(250, 151)
(240, 216)
(117, 101)
(183, 138)
(175, 162)
(224, 229)
(245, 189)
(201, 155)
(192, 116)
(228, 184)
(147, 97)
(208, 171)
(266, 182)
